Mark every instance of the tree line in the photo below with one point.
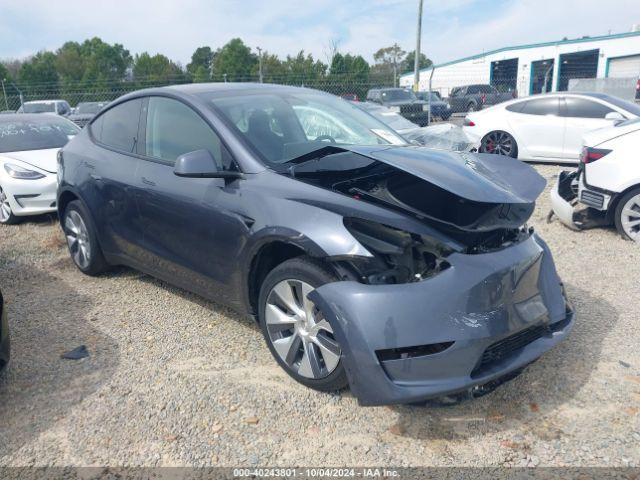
(96, 68)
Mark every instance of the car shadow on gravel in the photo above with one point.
(39, 388)
(553, 380)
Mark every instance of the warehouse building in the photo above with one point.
(541, 67)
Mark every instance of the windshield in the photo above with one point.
(397, 95)
(624, 104)
(281, 126)
(89, 107)
(21, 135)
(39, 107)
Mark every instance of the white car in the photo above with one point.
(605, 189)
(29, 145)
(548, 127)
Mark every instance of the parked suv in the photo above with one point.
(404, 272)
(405, 101)
(475, 97)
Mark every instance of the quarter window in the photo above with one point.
(583, 108)
(541, 106)
(174, 129)
(118, 126)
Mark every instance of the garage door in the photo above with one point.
(624, 67)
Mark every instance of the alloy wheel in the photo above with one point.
(630, 218)
(499, 143)
(78, 239)
(5, 208)
(298, 331)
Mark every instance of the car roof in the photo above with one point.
(44, 101)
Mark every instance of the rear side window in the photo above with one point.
(473, 89)
(583, 108)
(118, 126)
(515, 107)
(174, 129)
(541, 106)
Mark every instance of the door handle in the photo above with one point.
(148, 182)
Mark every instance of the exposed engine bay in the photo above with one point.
(401, 257)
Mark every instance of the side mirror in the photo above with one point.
(201, 164)
(615, 116)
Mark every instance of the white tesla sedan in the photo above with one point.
(29, 144)
(605, 189)
(548, 127)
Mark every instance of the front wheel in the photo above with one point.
(300, 337)
(499, 143)
(82, 240)
(6, 214)
(627, 215)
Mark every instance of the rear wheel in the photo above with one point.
(82, 240)
(499, 143)
(6, 214)
(300, 337)
(627, 215)
(471, 107)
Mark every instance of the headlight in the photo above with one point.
(394, 109)
(398, 256)
(16, 171)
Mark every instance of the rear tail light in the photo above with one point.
(638, 85)
(589, 155)
(483, 98)
(468, 123)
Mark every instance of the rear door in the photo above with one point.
(190, 233)
(112, 168)
(538, 126)
(582, 115)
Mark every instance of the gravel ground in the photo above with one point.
(176, 380)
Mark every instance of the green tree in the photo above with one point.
(409, 60)
(39, 69)
(154, 69)
(303, 69)
(272, 68)
(389, 61)
(70, 63)
(235, 60)
(201, 75)
(202, 57)
(104, 62)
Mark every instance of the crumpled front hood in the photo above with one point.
(477, 177)
(44, 159)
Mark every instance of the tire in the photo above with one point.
(471, 107)
(82, 241)
(445, 117)
(627, 212)
(6, 215)
(294, 340)
(499, 143)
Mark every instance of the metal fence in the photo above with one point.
(354, 86)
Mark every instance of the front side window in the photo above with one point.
(118, 126)
(397, 95)
(281, 126)
(583, 108)
(174, 129)
(541, 106)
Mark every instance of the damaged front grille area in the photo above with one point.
(511, 345)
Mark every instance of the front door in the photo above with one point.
(189, 231)
(582, 115)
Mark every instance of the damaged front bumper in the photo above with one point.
(575, 205)
(474, 324)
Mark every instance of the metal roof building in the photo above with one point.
(541, 67)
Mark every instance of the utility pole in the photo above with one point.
(416, 60)
(259, 63)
